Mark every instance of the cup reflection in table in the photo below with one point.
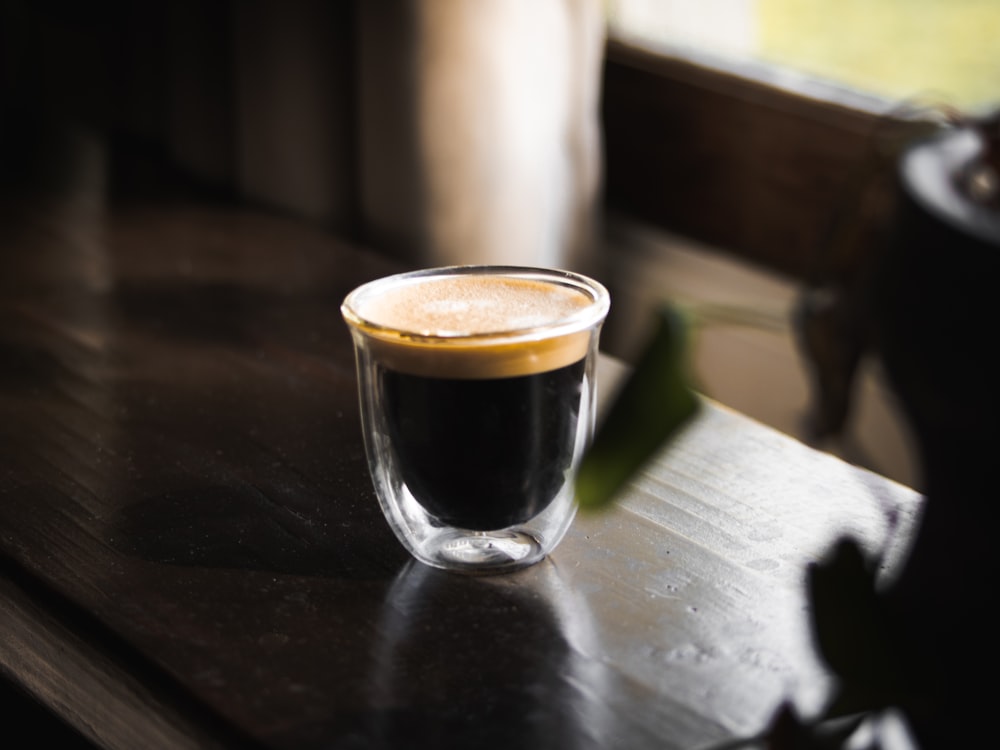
(474, 662)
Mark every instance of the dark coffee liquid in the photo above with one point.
(483, 454)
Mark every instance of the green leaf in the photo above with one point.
(652, 405)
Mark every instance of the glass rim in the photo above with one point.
(590, 315)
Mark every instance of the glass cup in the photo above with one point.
(477, 401)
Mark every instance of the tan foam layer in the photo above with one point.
(472, 304)
(474, 326)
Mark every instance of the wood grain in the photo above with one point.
(192, 553)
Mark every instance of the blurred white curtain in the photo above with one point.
(480, 138)
(441, 131)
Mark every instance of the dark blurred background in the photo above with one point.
(357, 115)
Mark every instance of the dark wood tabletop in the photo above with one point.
(192, 555)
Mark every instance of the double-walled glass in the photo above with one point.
(477, 401)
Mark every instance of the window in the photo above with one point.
(738, 122)
(897, 49)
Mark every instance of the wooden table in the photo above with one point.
(191, 553)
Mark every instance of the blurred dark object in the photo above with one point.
(935, 291)
(937, 316)
(413, 127)
(924, 304)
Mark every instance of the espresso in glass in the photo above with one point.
(477, 396)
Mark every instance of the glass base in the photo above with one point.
(481, 552)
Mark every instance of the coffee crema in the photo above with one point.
(475, 325)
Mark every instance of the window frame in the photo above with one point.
(750, 159)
